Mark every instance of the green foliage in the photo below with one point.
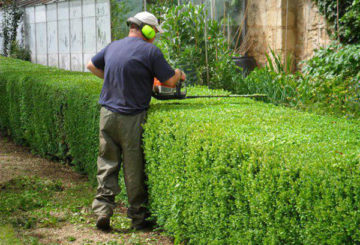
(220, 171)
(185, 46)
(18, 52)
(280, 88)
(50, 110)
(25, 194)
(8, 236)
(351, 22)
(349, 18)
(10, 22)
(276, 64)
(329, 82)
(331, 95)
(275, 80)
(236, 171)
(337, 60)
(156, 6)
(119, 14)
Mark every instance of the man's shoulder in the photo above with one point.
(137, 43)
(154, 49)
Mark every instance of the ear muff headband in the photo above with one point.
(147, 31)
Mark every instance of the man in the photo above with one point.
(128, 67)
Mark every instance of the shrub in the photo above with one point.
(239, 172)
(337, 60)
(280, 88)
(185, 46)
(220, 171)
(333, 95)
(349, 18)
(331, 80)
(18, 52)
(50, 110)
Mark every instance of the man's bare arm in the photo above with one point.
(94, 70)
(179, 75)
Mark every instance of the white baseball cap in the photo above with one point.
(146, 18)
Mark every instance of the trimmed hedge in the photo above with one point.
(51, 110)
(221, 171)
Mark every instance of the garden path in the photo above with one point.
(67, 221)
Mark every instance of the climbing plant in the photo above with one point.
(119, 15)
(344, 18)
(11, 18)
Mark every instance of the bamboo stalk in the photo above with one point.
(243, 22)
(337, 20)
(206, 53)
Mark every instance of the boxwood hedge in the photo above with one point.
(220, 171)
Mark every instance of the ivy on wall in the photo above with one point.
(10, 22)
(9, 25)
(347, 24)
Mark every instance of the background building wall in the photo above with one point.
(264, 27)
(286, 26)
(311, 30)
(67, 34)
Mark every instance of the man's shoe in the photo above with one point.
(144, 226)
(103, 223)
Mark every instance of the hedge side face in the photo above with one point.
(245, 172)
(55, 112)
(220, 171)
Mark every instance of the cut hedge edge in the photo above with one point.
(220, 171)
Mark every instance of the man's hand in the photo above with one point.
(183, 76)
(94, 70)
(179, 75)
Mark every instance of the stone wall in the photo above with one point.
(264, 27)
(286, 26)
(311, 30)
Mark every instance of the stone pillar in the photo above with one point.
(264, 27)
(311, 30)
(289, 27)
(288, 30)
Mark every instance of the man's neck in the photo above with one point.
(136, 34)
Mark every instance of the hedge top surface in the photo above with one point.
(262, 124)
(245, 118)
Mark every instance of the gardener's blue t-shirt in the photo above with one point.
(130, 65)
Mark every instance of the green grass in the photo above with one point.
(8, 236)
(31, 203)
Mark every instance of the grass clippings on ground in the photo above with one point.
(45, 202)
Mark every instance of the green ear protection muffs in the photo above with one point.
(147, 31)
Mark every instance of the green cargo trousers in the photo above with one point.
(121, 138)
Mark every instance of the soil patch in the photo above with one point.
(66, 218)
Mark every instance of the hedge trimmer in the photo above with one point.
(163, 92)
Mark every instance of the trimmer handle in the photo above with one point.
(181, 89)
